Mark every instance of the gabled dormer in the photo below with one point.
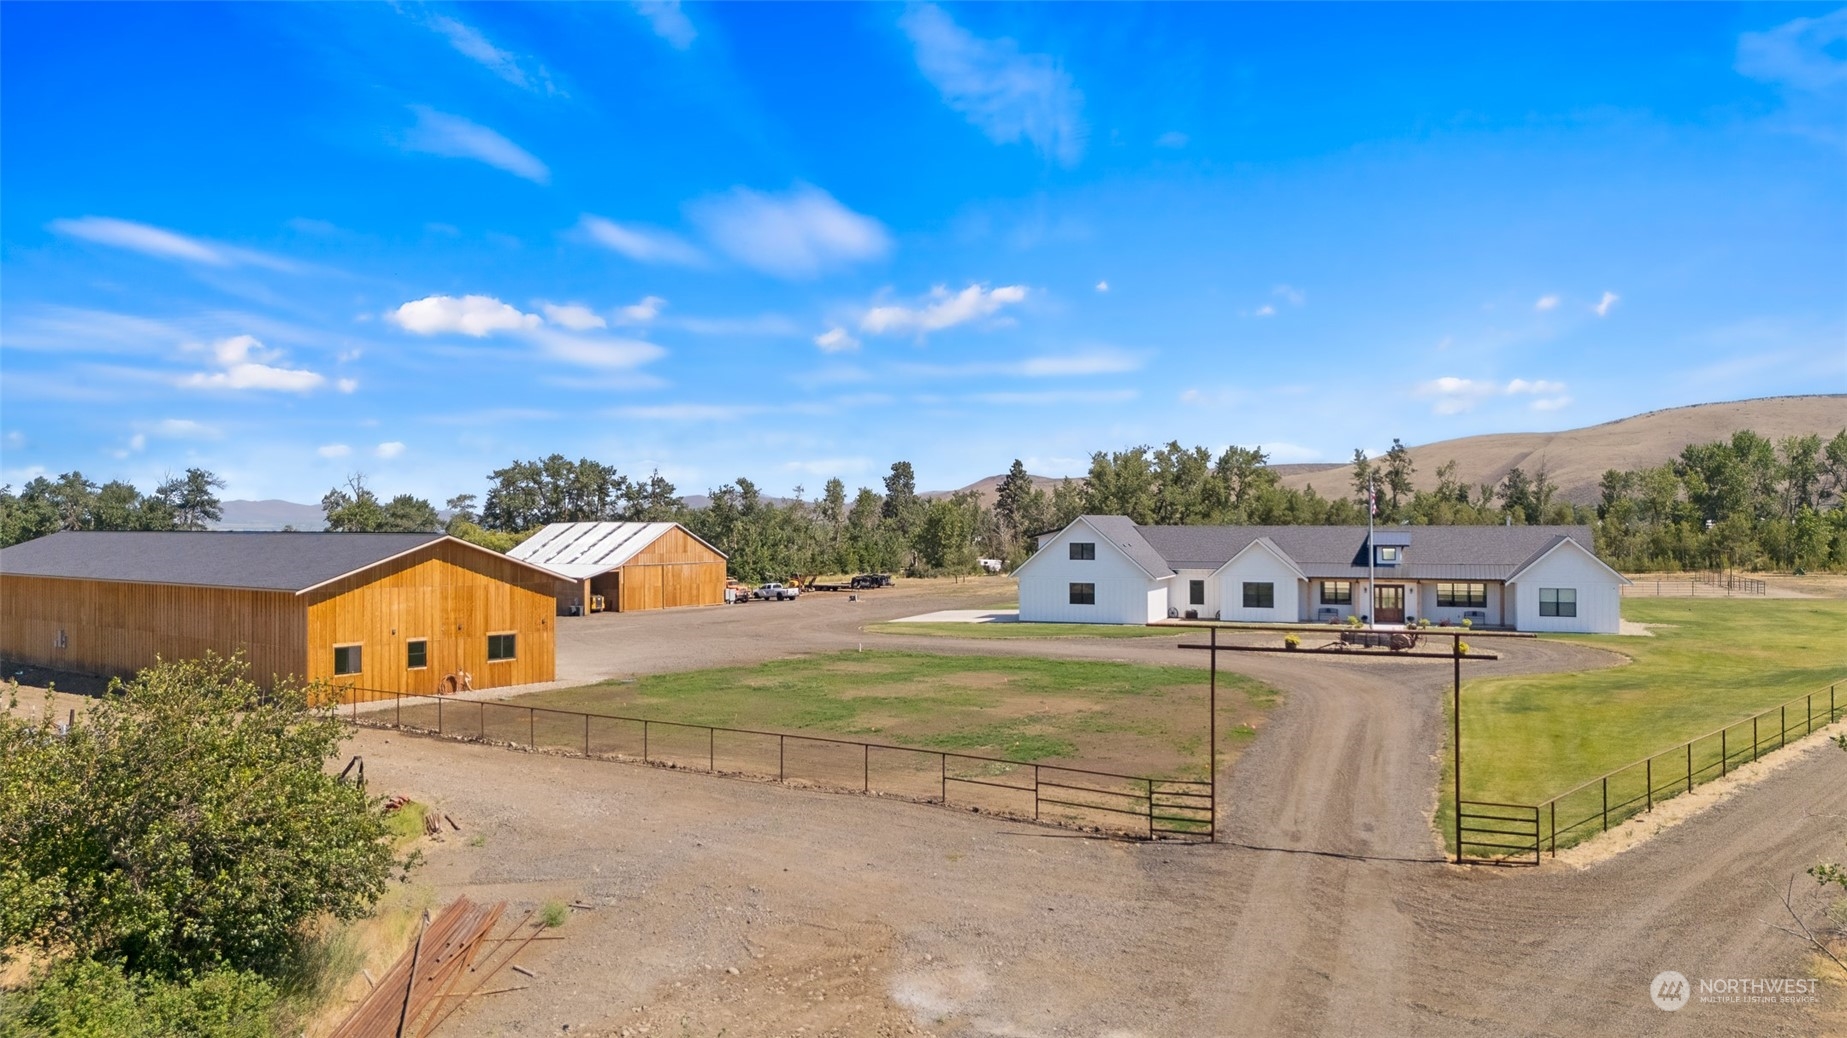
(1389, 547)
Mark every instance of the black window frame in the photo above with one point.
(1083, 593)
(1344, 599)
(1083, 551)
(1195, 592)
(354, 653)
(1564, 602)
(1260, 594)
(1468, 599)
(510, 645)
(417, 654)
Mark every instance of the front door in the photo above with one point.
(1388, 604)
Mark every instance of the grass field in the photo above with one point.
(1711, 663)
(1020, 630)
(1117, 717)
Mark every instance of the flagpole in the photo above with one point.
(1372, 555)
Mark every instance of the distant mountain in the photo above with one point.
(270, 515)
(989, 489)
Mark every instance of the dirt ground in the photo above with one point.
(724, 907)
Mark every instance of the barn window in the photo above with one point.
(1337, 592)
(1083, 594)
(346, 660)
(1558, 601)
(1462, 596)
(417, 653)
(501, 647)
(1195, 592)
(1085, 551)
(1259, 596)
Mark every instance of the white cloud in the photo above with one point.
(1266, 310)
(1544, 303)
(184, 429)
(836, 339)
(669, 22)
(1551, 403)
(1103, 361)
(347, 385)
(599, 351)
(245, 364)
(477, 316)
(1520, 385)
(573, 316)
(1452, 395)
(1606, 304)
(438, 133)
(469, 42)
(1171, 139)
(798, 234)
(647, 310)
(162, 243)
(644, 244)
(333, 450)
(1010, 96)
(1802, 53)
(944, 311)
(687, 412)
(1103, 286)
(388, 449)
(1035, 398)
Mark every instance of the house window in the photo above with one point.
(1558, 601)
(1388, 555)
(1083, 594)
(1084, 551)
(1195, 592)
(1337, 592)
(1462, 596)
(501, 647)
(1259, 596)
(416, 654)
(346, 660)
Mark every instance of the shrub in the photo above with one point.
(1462, 647)
(1467, 623)
(1353, 620)
(1292, 641)
(83, 998)
(553, 914)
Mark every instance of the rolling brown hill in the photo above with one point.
(1576, 459)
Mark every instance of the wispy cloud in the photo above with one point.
(470, 43)
(1067, 365)
(1606, 304)
(836, 340)
(574, 316)
(668, 21)
(389, 449)
(1040, 398)
(644, 244)
(1452, 395)
(1290, 294)
(1544, 303)
(245, 363)
(644, 311)
(1009, 95)
(798, 234)
(1804, 54)
(452, 136)
(687, 412)
(480, 317)
(333, 450)
(163, 244)
(1102, 286)
(944, 310)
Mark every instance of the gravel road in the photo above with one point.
(1326, 911)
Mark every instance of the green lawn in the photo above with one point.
(1126, 718)
(1019, 630)
(1712, 663)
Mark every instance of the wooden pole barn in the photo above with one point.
(395, 612)
(630, 566)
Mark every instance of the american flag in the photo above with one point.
(1372, 500)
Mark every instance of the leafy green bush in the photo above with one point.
(83, 998)
(184, 824)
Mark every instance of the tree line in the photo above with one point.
(1744, 502)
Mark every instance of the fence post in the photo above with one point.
(711, 750)
(1753, 740)
(1606, 804)
(644, 742)
(1810, 710)
(1553, 808)
(586, 735)
(865, 769)
(1035, 792)
(1782, 726)
(943, 759)
(1723, 753)
(1689, 767)
(1648, 780)
(781, 741)
(1830, 704)
(1150, 808)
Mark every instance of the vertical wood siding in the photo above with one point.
(453, 596)
(112, 628)
(676, 570)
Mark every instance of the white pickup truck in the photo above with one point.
(776, 591)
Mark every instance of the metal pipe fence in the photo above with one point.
(1698, 585)
(1135, 806)
(1614, 798)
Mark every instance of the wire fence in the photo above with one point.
(1135, 806)
(1612, 799)
(1694, 585)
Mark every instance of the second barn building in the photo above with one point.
(626, 567)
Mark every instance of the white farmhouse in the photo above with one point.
(1105, 569)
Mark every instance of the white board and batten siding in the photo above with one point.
(1257, 564)
(1599, 593)
(1125, 593)
(1180, 594)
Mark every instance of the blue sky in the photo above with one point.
(292, 242)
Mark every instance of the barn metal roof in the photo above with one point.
(260, 561)
(582, 550)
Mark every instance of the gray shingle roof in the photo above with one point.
(1129, 537)
(265, 561)
(1434, 553)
